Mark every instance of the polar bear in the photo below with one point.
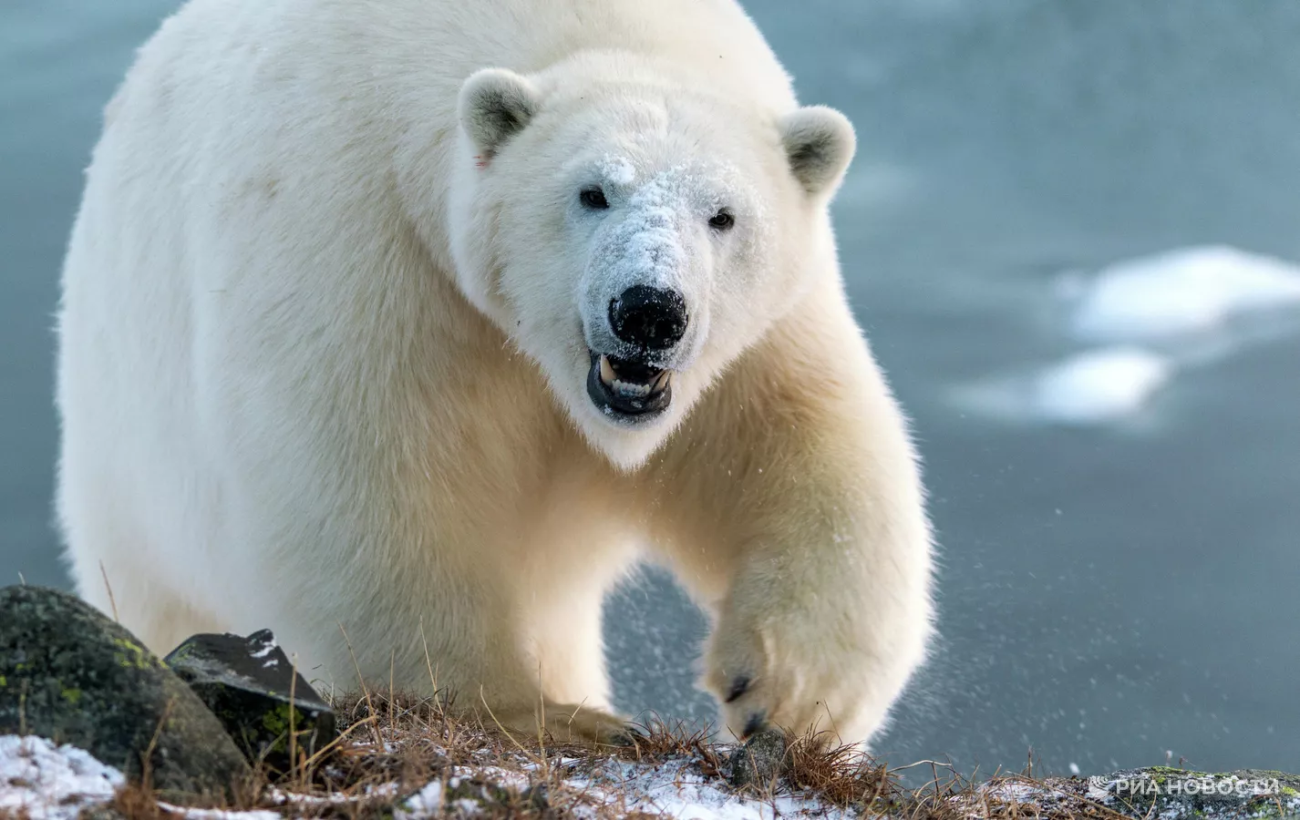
(404, 327)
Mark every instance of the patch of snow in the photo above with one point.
(674, 789)
(648, 242)
(280, 797)
(218, 814)
(427, 802)
(51, 782)
(1179, 292)
(492, 774)
(618, 170)
(1099, 385)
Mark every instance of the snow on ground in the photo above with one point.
(218, 814)
(51, 782)
(281, 797)
(427, 802)
(675, 790)
(1142, 322)
(56, 782)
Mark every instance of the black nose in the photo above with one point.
(648, 317)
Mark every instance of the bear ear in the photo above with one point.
(495, 104)
(819, 143)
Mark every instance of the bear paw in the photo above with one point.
(568, 723)
(789, 673)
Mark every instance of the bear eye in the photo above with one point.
(722, 221)
(594, 198)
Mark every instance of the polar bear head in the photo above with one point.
(633, 236)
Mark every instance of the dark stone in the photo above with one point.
(537, 797)
(253, 689)
(72, 675)
(760, 761)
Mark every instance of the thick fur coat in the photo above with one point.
(335, 306)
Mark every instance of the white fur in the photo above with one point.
(324, 343)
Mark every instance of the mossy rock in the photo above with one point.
(760, 761)
(72, 675)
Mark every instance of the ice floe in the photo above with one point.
(1178, 292)
(1139, 323)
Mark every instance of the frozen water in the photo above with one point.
(1099, 385)
(1181, 291)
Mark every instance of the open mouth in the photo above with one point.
(626, 389)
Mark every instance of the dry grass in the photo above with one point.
(662, 740)
(842, 776)
(392, 746)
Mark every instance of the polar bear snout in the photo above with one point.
(648, 317)
(631, 384)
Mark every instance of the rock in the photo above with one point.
(70, 674)
(1176, 793)
(249, 684)
(537, 797)
(760, 761)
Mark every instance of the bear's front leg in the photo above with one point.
(818, 631)
(792, 507)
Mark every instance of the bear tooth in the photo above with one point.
(606, 370)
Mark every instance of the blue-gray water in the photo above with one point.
(1108, 594)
